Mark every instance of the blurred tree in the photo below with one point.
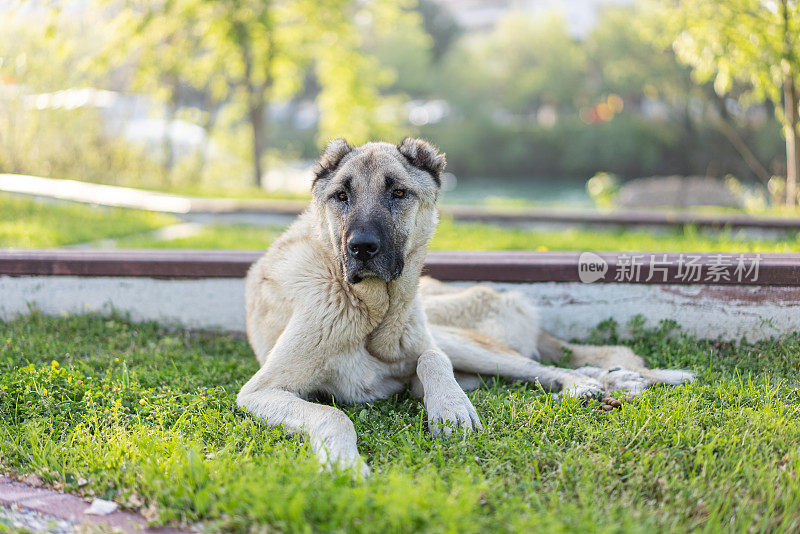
(402, 46)
(533, 61)
(750, 41)
(247, 53)
(523, 64)
(440, 24)
(623, 60)
(44, 130)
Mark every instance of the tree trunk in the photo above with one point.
(256, 101)
(792, 141)
(167, 151)
(790, 109)
(257, 122)
(201, 157)
(744, 151)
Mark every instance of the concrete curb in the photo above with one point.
(71, 508)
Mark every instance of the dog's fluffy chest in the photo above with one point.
(359, 377)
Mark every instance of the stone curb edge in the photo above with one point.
(71, 508)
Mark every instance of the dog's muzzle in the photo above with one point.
(365, 257)
(363, 245)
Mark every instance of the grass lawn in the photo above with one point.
(28, 223)
(147, 417)
(212, 236)
(475, 236)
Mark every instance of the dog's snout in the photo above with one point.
(363, 245)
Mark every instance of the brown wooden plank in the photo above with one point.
(506, 266)
(669, 268)
(150, 263)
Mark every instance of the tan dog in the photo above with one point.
(336, 308)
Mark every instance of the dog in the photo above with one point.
(337, 308)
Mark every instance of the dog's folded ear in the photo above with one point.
(423, 155)
(333, 154)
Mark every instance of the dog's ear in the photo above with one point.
(330, 158)
(425, 156)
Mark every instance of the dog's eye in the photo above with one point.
(341, 195)
(399, 193)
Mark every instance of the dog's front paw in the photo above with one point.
(450, 410)
(580, 387)
(334, 455)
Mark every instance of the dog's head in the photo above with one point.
(377, 203)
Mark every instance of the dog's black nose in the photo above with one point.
(363, 245)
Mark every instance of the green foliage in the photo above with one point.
(522, 64)
(403, 47)
(501, 102)
(440, 24)
(27, 223)
(46, 140)
(603, 187)
(245, 55)
(628, 61)
(518, 95)
(147, 417)
(737, 40)
(532, 62)
(749, 48)
(628, 146)
(69, 144)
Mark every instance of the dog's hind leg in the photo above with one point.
(473, 353)
(507, 316)
(507, 321)
(616, 366)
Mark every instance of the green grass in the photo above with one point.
(28, 223)
(212, 236)
(473, 236)
(147, 417)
